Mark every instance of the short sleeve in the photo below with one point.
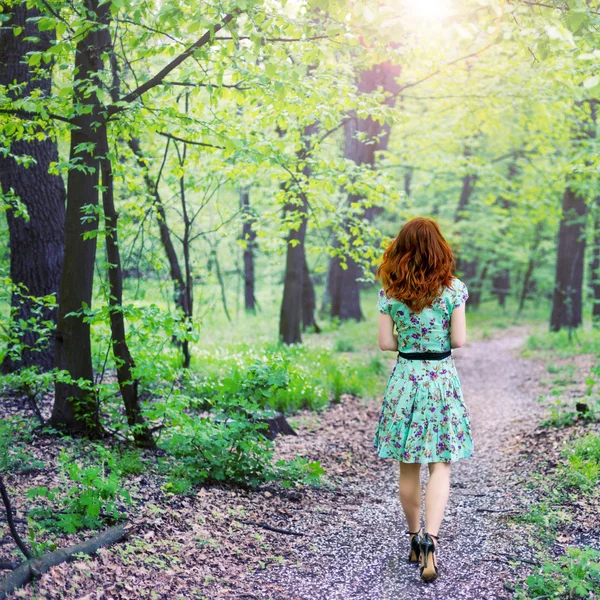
(460, 293)
(383, 304)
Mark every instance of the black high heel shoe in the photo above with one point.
(415, 547)
(429, 571)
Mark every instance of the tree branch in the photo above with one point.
(170, 136)
(31, 115)
(452, 62)
(37, 566)
(11, 524)
(308, 39)
(159, 77)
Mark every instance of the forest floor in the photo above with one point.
(345, 540)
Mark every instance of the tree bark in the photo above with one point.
(343, 289)
(76, 408)
(566, 301)
(36, 245)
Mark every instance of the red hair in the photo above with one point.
(417, 264)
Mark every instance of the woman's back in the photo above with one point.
(428, 330)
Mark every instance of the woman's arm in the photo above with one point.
(388, 340)
(458, 327)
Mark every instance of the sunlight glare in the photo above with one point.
(429, 9)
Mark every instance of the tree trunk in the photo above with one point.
(566, 301)
(165, 234)
(249, 236)
(468, 268)
(595, 267)
(36, 245)
(309, 300)
(531, 265)
(128, 384)
(75, 408)
(292, 305)
(297, 277)
(501, 281)
(343, 290)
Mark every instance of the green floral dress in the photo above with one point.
(424, 418)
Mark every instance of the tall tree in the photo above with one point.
(297, 298)
(363, 139)
(566, 300)
(36, 243)
(75, 406)
(570, 255)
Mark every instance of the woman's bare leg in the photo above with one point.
(436, 495)
(410, 494)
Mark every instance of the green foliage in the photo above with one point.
(91, 496)
(38, 326)
(226, 446)
(582, 471)
(574, 575)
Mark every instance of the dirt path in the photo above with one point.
(215, 542)
(363, 558)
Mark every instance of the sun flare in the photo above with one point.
(429, 9)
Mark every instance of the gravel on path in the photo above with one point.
(364, 557)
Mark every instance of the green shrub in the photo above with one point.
(90, 498)
(574, 575)
(228, 446)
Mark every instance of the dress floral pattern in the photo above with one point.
(423, 417)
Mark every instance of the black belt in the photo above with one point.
(425, 355)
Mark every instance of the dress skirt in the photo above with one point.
(423, 417)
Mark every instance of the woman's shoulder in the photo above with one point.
(456, 284)
(457, 291)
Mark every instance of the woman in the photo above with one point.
(423, 418)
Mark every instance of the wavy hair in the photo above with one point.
(417, 264)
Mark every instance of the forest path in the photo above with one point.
(365, 558)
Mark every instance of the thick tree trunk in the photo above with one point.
(37, 244)
(249, 236)
(292, 303)
(501, 286)
(75, 408)
(566, 301)
(343, 289)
